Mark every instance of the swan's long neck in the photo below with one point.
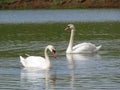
(47, 57)
(70, 45)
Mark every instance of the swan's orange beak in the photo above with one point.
(67, 28)
(54, 53)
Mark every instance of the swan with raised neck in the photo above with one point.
(82, 47)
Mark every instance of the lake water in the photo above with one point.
(68, 72)
(83, 15)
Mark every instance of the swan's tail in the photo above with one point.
(22, 60)
(98, 47)
(27, 54)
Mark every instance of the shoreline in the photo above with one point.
(63, 4)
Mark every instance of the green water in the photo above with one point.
(37, 31)
(73, 72)
(16, 36)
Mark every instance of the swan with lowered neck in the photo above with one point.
(37, 61)
(80, 48)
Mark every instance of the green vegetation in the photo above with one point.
(7, 0)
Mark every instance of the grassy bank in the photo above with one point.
(58, 4)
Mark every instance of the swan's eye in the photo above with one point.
(68, 27)
(54, 51)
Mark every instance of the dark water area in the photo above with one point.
(99, 71)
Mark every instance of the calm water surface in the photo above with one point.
(23, 16)
(68, 72)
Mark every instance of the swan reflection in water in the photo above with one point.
(80, 59)
(34, 79)
(77, 63)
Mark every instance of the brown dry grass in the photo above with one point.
(41, 4)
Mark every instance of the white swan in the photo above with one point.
(80, 48)
(37, 61)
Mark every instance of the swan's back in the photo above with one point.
(85, 48)
(34, 61)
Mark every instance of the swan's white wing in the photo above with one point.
(98, 47)
(84, 48)
(35, 61)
